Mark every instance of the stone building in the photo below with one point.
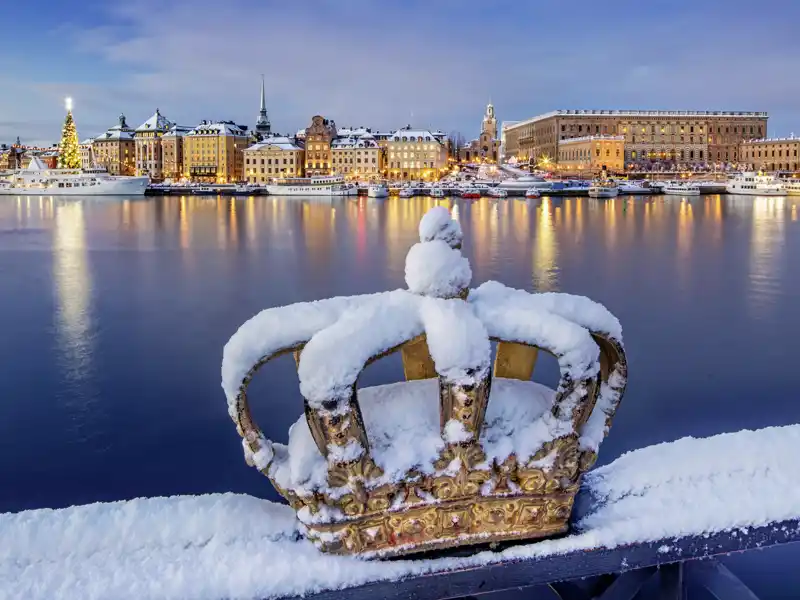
(487, 146)
(416, 154)
(214, 152)
(677, 137)
(273, 157)
(777, 154)
(588, 155)
(87, 155)
(172, 152)
(116, 149)
(149, 151)
(318, 138)
(357, 157)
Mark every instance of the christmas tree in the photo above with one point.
(69, 156)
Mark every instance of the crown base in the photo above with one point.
(456, 523)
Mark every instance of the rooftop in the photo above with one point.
(413, 135)
(277, 142)
(157, 122)
(639, 114)
(791, 138)
(218, 128)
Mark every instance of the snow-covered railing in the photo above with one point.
(650, 513)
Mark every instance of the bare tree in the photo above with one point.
(457, 142)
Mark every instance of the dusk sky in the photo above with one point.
(386, 63)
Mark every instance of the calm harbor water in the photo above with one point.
(114, 312)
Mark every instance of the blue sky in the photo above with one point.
(385, 63)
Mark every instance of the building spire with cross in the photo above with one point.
(263, 126)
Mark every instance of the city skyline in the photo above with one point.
(385, 65)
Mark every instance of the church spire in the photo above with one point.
(263, 126)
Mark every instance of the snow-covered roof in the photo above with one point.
(773, 140)
(352, 131)
(86, 142)
(36, 164)
(157, 122)
(413, 135)
(301, 133)
(218, 128)
(277, 142)
(178, 131)
(642, 114)
(363, 141)
(116, 133)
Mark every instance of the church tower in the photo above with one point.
(263, 127)
(489, 125)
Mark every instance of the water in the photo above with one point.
(114, 313)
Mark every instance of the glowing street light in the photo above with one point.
(68, 103)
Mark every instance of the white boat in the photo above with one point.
(793, 187)
(437, 192)
(406, 192)
(245, 189)
(524, 183)
(603, 189)
(681, 189)
(205, 190)
(39, 180)
(711, 187)
(635, 187)
(322, 185)
(533, 193)
(755, 184)
(496, 193)
(377, 190)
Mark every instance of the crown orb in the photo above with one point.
(456, 455)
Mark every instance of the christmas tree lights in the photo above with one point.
(69, 156)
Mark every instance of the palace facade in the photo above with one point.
(650, 136)
(777, 154)
(590, 154)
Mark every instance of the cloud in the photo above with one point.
(385, 63)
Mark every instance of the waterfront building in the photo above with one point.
(213, 152)
(677, 137)
(776, 154)
(172, 152)
(116, 149)
(318, 137)
(588, 155)
(87, 155)
(149, 151)
(12, 157)
(485, 148)
(276, 156)
(263, 126)
(357, 156)
(416, 154)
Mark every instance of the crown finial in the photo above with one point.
(435, 266)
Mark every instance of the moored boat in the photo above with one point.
(324, 185)
(792, 187)
(496, 193)
(39, 180)
(204, 190)
(406, 192)
(603, 189)
(470, 192)
(377, 190)
(437, 192)
(532, 193)
(681, 189)
(755, 184)
(636, 188)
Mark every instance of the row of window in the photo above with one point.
(269, 161)
(747, 154)
(342, 160)
(411, 165)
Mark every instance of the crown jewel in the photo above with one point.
(463, 452)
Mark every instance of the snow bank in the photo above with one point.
(230, 546)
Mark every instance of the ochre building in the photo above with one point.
(416, 154)
(680, 137)
(149, 151)
(588, 155)
(357, 157)
(172, 152)
(318, 137)
(777, 154)
(116, 149)
(274, 157)
(214, 152)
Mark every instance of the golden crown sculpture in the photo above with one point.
(389, 471)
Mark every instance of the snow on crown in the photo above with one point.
(460, 453)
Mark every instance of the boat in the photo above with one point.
(532, 193)
(496, 193)
(39, 180)
(522, 184)
(793, 187)
(636, 188)
(406, 192)
(603, 189)
(437, 192)
(245, 189)
(749, 183)
(377, 190)
(573, 187)
(711, 187)
(323, 185)
(204, 190)
(470, 192)
(681, 189)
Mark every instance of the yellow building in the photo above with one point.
(214, 152)
(357, 157)
(273, 157)
(777, 154)
(681, 137)
(149, 151)
(589, 154)
(416, 154)
(318, 137)
(172, 152)
(116, 149)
